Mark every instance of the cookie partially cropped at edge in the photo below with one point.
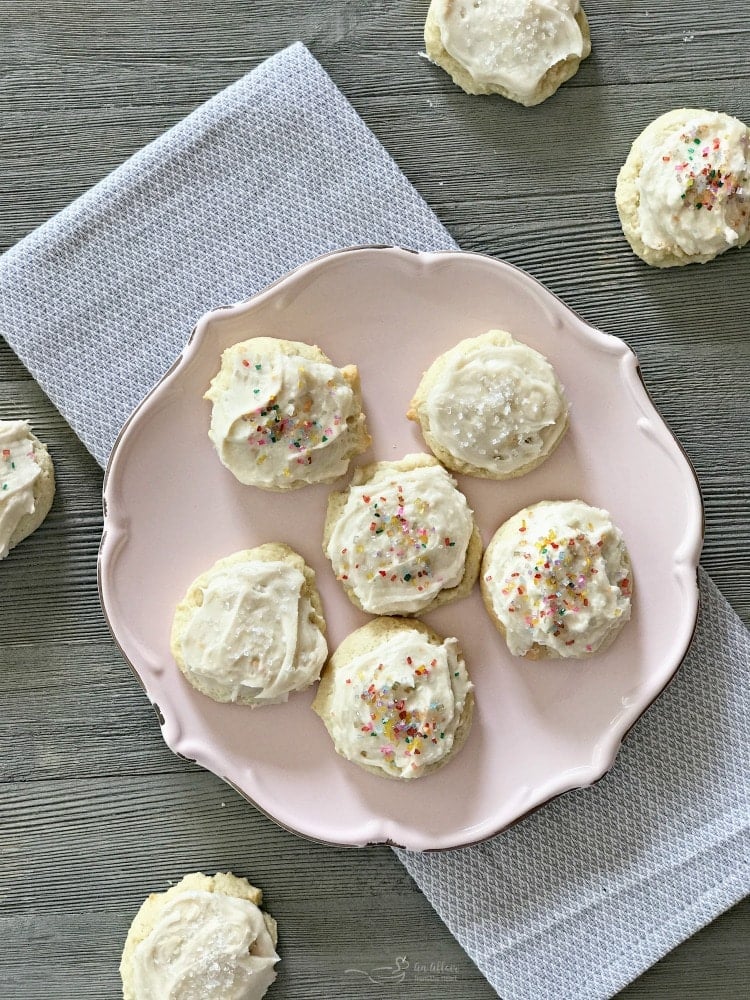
(284, 416)
(521, 49)
(683, 193)
(27, 483)
(402, 539)
(396, 699)
(251, 629)
(204, 937)
(557, 581)
(491, 407)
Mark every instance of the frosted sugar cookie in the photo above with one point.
(521, 49)
(556, 580)
(683, 193)
(27, 483)
(284, 416)
(251, 629)
(402, 538)
(203, 939)
(491, 407)
(396, 698)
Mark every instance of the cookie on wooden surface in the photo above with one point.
(205, 937)
(683, 193)
(27, 483)
(521, 49)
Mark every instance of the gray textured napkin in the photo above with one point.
(579, 898)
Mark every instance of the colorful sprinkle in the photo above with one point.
(399, 727)
(555, 582)
(703, 182)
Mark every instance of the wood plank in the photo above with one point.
(96, 812)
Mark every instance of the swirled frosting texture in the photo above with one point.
(401, 538)
(694, 185)
(494, 405)
(283, 416)
(398, 706)
(510, 43)
(253, 637)
(557, 576)
(205, 946)
(19, 471)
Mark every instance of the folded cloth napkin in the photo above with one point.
(579, 898)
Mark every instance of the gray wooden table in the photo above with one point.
(95, 811)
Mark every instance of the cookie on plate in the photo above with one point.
(683, 193)
(557, 581)
(205, 937)
(251, 628)
(521, 49)
(396, 699)
(284, 416)
(402, 538)
(27, 483)
(491, 407)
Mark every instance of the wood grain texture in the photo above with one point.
(95, 810)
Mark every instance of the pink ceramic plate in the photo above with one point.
(172, 510)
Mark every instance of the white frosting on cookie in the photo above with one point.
(398, 706)
(694, 185)
(558, 575)
(510, 43)
(401, 538)
(493, 404)
(205, 946)
(278, 420)
(253, 634)
(19, 471)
